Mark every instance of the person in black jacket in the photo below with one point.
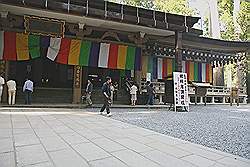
(89, 90)
(107, 96)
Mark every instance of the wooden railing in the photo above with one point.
(216, 94)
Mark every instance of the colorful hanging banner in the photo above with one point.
(94, 54)
(130, 60)
(34, 46)
(74, 53)
(113, 56)
(84, 53)
(103, 55)
(9, 52)
(22, 48)
(203, 72)
(54, 48)
(164, 68)
(19, 46)
(159, 68)
(63, 54)
(122, 53)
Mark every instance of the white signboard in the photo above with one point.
(148, 77)
(180, 90)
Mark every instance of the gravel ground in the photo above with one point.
(221, 127)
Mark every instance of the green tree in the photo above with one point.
(226, 19)
(244, 21)
(174, 6)
(169, 6)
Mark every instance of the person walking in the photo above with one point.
(107, 96)
(151, 94)
(89, 90)
(147, 89)
(133, 93)
(2, 82)
(28, 90)
(11, 84)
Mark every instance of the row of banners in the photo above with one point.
(161, 68)
(19, 47)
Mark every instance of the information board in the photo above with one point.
(180, 90)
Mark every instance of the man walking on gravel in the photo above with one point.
(107, 96)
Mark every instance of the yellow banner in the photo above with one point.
(22, 48)
(191, 71)
(122, 53)
(74, 52)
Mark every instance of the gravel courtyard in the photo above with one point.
(221, 127)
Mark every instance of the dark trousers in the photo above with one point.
(106, 106)
(28, 96)
(150, 100)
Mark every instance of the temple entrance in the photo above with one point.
(53, 82)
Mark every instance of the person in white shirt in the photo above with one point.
(133, 93)
(11, 84)
(28, 89)
(2, 82)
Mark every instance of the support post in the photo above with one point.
(77, 85)
(224, 100)
(178, 50)
(4, 70)
(201, 100)
(213, 100)
(138, 75)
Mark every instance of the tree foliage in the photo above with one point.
(244, 20)
(169, 6)
(226, 20)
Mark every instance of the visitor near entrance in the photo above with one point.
(11, 84)
(107, 96)
(133, 93)
(151, 94)
(2, 82)
(112, 89)
(28, 89)
(89, 90)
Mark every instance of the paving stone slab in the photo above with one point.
(90, 151)
(166, 160)
(169, 149)
(67, 158)
(107, 162)
(7, 159)
(28, 155)
(108, 145)
(199, 161)
(134, 159)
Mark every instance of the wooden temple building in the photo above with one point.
(59, 44)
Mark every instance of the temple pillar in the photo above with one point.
(4, 71)
(77, 84)
(138, 76)
(224, 100)
(201, 100)
(212, 100)
(178, 51)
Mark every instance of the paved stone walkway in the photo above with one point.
(73, 138)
